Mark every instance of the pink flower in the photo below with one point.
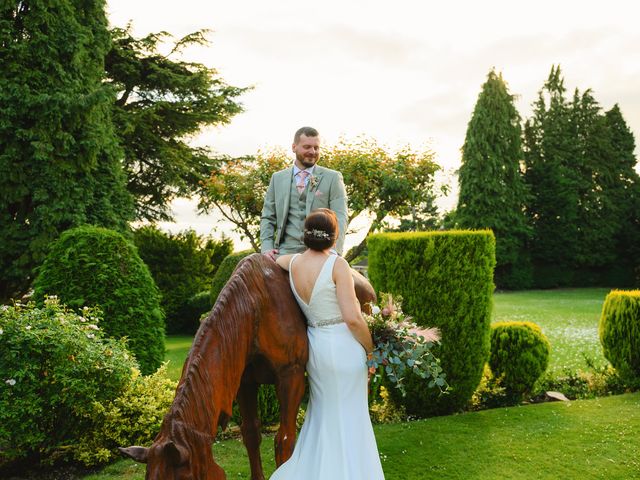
(431, 334)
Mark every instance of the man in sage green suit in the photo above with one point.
(295, 192)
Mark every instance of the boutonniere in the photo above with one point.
(313, 182)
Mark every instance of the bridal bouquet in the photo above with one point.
(400, 347)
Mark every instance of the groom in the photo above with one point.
(296, 191)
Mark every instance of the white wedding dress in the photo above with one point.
(336, 441)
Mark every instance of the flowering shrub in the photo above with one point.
(54, 365)
(400, 347)
(133, 418)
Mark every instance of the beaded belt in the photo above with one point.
(327, 321)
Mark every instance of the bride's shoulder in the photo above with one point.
(341, 267)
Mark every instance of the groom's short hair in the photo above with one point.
(306, 131)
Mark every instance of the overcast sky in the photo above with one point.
(402, 72)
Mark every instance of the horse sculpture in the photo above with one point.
(254, 334)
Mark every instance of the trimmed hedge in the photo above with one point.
(446, 281)
(519, 356)
(224, 272)
(92, 266)
(620, 331)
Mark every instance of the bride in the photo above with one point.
(336, 441)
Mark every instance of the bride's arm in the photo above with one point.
(349, 305)
(283, 261)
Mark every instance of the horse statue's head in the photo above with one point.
(186, 456)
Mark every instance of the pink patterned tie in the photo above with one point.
(302, 176)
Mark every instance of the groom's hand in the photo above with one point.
(272, 254)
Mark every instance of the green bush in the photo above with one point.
(268, 407)
(224, 271)
(89, 266)
(192, 311)
(519, 356)
(54, 366)
(620, 331)
(182, 265)
(133, 418)
(446, 281)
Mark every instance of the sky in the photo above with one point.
(404, 72)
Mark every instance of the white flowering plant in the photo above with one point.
(401, 347)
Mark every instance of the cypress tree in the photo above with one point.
(553, 180)
(59, 157)
(492, 190)
(625, 193)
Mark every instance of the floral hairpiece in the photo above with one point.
(317, 234)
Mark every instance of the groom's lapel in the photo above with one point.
(312, 191)
(286, 188)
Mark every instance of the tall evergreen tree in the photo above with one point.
(59, 157)
(625, 193)
(553, 180)
(492, 190)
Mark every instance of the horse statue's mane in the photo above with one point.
(237, 303)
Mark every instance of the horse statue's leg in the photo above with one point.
(290, 390)
(248, 402)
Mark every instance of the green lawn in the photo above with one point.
(177, 350)
(587, 439)
(569, 318)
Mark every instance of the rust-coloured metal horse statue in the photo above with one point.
(255, 334)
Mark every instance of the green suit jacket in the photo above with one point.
(325, 190)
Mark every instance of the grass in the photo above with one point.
(177, 350)
(587, 439)
(569, 318)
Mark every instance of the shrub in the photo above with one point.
(192, 311)
(89, 266)
(519, 356)
(54, 366)
(182, 265)
(224, 271)
(133, 418)
(268, 407)
(620, 331)
(446, 281)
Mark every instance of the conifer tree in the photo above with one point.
(553, 180)
(59, 158)
(492, 190)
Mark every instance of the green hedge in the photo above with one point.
(92, 266)
(620, 331)
(182, 265)
(224, 271)
(192, 311)
(519, 356)
(446, 281)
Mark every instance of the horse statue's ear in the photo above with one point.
(177, 455)
(139, 454)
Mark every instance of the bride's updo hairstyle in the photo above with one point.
(320, 229)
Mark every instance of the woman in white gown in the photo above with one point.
(336, 441)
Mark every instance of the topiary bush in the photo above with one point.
(519, 356)
(224, 271)
(446, 281)
(54, 366)
(92, 266)
(192, 311)
(620, 331)
(182, 265)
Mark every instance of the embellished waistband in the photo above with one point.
(326, 321)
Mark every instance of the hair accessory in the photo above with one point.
(317, 234)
